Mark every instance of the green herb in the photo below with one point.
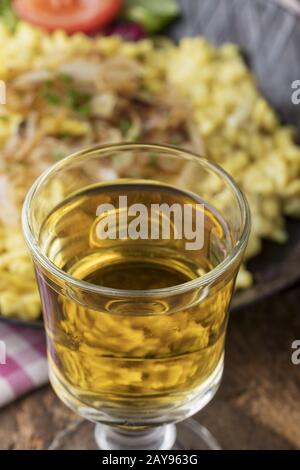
(154, 15)
(78, 101)
(51, 98)
(58, 155)
(153, 160)
(70, 98)
(176, 140)
(143, 89)
(125, 125)
(136, 138)
(85, 109)
(21, 163)
(47, 93)
(4, 118)
(8, 15)
(65, 78)
(63, 135)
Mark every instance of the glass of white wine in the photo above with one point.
(136, 249)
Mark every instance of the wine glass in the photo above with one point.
(136, 249)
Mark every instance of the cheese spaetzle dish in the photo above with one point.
(65, 93)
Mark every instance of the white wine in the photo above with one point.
(133, 357)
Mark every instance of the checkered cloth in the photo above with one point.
(23, 363)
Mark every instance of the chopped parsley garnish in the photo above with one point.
(48, 93)
(78, 101)
(153, 161)
(67, 79)
(58, 155)
(125, 125)
(63, 92)
(85, 109)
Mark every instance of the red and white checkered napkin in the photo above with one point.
(23, 362)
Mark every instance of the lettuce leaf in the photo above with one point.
(8, 15)
(153, 15)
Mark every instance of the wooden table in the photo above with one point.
(257, 406)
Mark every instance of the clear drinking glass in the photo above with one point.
(136, 324)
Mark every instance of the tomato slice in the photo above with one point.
(70, 15)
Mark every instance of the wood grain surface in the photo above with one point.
(257, 406)
(269, 38)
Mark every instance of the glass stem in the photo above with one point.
(158, 438)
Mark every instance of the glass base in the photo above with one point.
(149, 416)
(186, 435)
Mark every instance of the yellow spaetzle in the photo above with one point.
(228, 119)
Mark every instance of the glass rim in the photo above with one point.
(200, 281)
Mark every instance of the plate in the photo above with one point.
(269, 36)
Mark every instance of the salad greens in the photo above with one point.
(153, 15)
(8, 15)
